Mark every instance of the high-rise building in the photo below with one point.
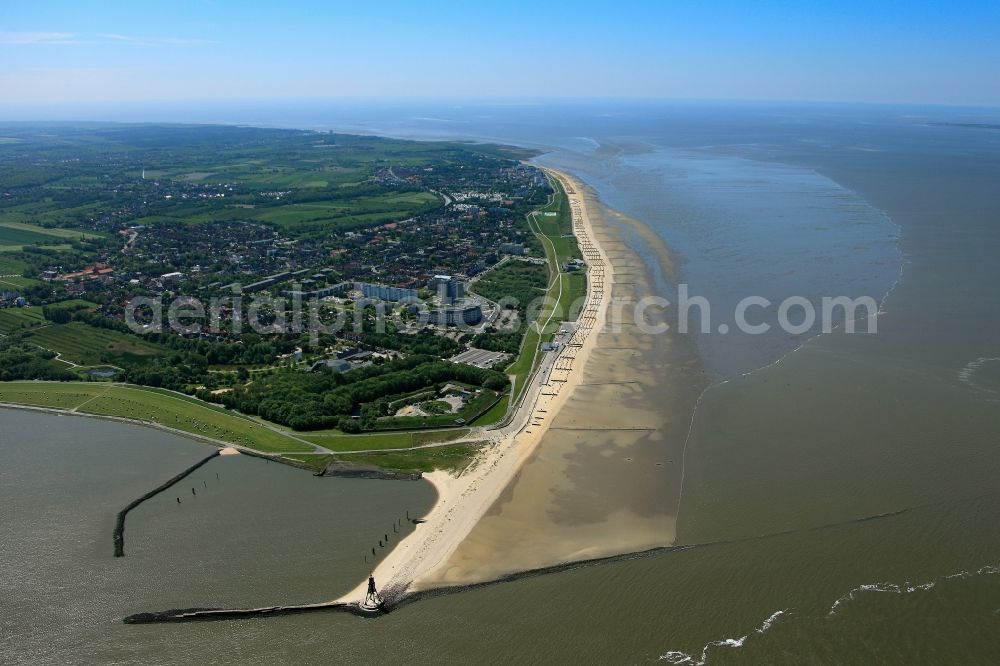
(447, 288)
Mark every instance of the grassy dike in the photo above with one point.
(451, 458)
(163, 408)
(201, 419)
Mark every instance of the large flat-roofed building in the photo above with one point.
(462, 314)
(384, 292)
(333, 290)
(447, 288)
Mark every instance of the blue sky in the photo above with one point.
(54, 52)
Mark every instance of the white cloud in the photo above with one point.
(39, 38)
(29, 38)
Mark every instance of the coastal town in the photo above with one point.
(348, 298)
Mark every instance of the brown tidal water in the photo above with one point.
(254, 534)
(840, 506)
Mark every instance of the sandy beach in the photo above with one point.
(606, 476)
(464, 500)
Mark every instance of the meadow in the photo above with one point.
(150, 405)
(87, 345)
(338, 441)
(15, 234)
(453, 458)
(196, 417)
(14, 319)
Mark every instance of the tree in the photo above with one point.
(349, 425)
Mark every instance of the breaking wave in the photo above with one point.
(701, 659)
(907, 587)
(678, 657)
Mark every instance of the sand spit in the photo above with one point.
(464, 500)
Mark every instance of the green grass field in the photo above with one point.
(17, 282)
(525, 361)
(49, 394)
(278, 177)
(338, 441)
(199, 418)
(161, 407)
(15, 234)
(87, 345)
(15, 319)
(450, 458)
(574, 289)
(494, 413)
(559, 229)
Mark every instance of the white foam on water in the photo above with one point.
(967, 374)
(678, 657)
(771, 620)
(907, 587)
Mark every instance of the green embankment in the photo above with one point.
(450, 458)
(196, 417)
(338, 441)
(521, 368)
(57, 395)
(163, 408)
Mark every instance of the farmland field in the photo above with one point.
(15, 234)
(372, 209)
(87, 345)
(13, 319)
(17, 282)
(12, 237)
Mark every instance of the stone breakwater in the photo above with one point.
(206, 614)
(118, 536)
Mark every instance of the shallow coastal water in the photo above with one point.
(743, 228)
(252, 533)
(838, 507)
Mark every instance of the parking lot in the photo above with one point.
(480, 358)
